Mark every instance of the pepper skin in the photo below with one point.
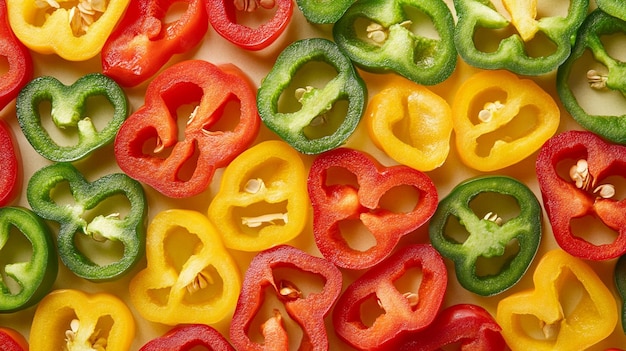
(558, 276)
(10, 170)
(189, 337)
(615, 8)
(322, 11)
(619, 274)
(18, 58)
(12, 340)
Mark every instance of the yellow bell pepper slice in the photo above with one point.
(523, 16)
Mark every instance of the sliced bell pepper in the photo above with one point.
(10, 170)
(337, 203)
(411, 124)
(602, 81)
(569, 308)
(307, 309)
(76, 31)
(69, 319)
(317, 103)
(583, 191)
(322, 11)
(223, 18)
(187, 337)
(489, 234)
(262, 200)
(615, 8)
(500, 119)
(515, 52)
(12, 340)
(69, 106)
(73, 218)
(147, 146)
(402, 311)
(18, 58)
(143, 42)
(35, 274)
(619, 275)
(191, 277)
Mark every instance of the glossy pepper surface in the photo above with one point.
(73, 32)
(10, 170)
(262, 200)
(35, 274)
(144, 41)
(549, 317)
(68, 319)
(574, 171)
(147, 146)
(538, 45)
(12, 340)
(190, 277)
(323, 12)
(619, 275)
(403, 311)
(187, 337)
(605, 74)
(500, 119)
(87, 213)
(313, 128)
(337, 203)
(488, 234)
(392, 45)
(307, 308)
(69, 106)
(18, 60)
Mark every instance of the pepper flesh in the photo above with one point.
(12, 340)
(187, 337)
(10, 170)
(615, 8)
(323, 12)
(18, 58)
(619, 275)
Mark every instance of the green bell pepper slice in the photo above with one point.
(513, 52)
(68, 108)
(605, 74)
(323, 11)
(487, 235)
(389, 43)
(615, 8)
(34, 277)
(89, 201)
(619, 275)
(329, 131)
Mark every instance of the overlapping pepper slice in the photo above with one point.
(190, 278)
(306, 308)
(323, 12)
(569, 308)
(187, 337)
(500, 119)
(224, 19)
(605, 75)
(10, 170)
(615, 8)
(572, 171)
(143, 42)
(389, 43)
(34, 274)
(74, 30)
(262, 200)
(69, 319)
(411, 124)
(313, 128)
(18, 59)
(341, 202)
(147, 146)
(536, 46)
(402, 311)
(12, 340)
(89, 199)
(69, 106)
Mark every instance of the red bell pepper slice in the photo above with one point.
(223, 18)
(20, 70)
(306, 309)
(143, 42)
(335, 203)
(184, 168)
(585, 191)
(12, 340)
(9, 171)
(187, 336)
(403, 311)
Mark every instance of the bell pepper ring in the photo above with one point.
(262, 200)
(69, 319)
(190, 277)
(583, 192)
(316, 103)
(223, 18)
(11, 168)
(500, 119)
(489, 234)
(18, 58)
(186, 337)
(143, 42)
(147, 146)
(306, 308)
(537, 319)
(69, 106)
(128, 229)
(336, 203)
(75, 33)
(12, 340)
(402, 311)
(323, 12)
(516, 52)
(34, 275)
